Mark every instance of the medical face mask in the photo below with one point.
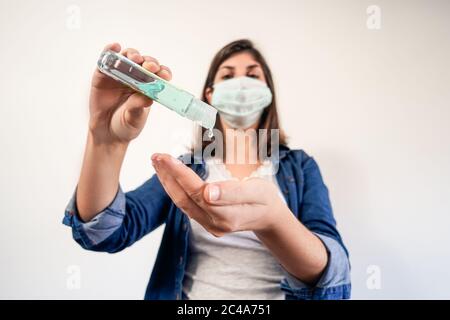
(241, 101)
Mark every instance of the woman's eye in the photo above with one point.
(253, 76)
(227, 76)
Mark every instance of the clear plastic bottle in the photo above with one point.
(133, 75)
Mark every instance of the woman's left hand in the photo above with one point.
(220, 207)
(252, 204)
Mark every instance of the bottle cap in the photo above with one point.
(202, 113)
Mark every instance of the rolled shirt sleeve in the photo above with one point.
(334, 282)
(105, 223)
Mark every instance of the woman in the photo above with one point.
(248, 230)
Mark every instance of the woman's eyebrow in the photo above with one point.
(227, 67)
(252, 66)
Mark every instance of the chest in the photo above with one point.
(241, 171)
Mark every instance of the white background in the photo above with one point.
(372, 107)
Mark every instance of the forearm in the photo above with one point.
(300, 252)
(99, 178)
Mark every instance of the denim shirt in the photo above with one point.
(134, 214)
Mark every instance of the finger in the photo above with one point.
(112, 46)
(133, 55)
(185, 176)
(98, 75)
(213, 222)
(175, 191)
(227, 193)
(127, 52)
(151, 64)
(135, 112)
(165, 73)
(178, 195)
(150, 58)
(137, 101)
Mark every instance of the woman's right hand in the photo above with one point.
(117, 112)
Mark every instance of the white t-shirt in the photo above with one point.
(235, 266)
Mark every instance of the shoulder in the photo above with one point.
(300, 163)
(298, 156)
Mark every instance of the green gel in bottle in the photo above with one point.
(133, 75)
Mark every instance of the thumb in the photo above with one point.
(137, 101)
(234, 192)
(136, 109)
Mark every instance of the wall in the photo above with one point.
(371, 105)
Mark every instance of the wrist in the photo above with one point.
(277, 217)
(99, 141)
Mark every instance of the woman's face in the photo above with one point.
(238, 65)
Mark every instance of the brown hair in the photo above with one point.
(269, 118)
